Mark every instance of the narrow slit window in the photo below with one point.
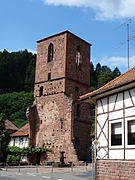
(41, 91)
(49, 76)
(116, 134)
(50, 52)
(61, 123)
(131, 132)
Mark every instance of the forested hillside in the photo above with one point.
(17, 74)
(17, 71)
(14, 106)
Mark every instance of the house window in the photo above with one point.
(78, 57)
(41, 91)
(116, 134)
(49, 76)
(131, 132)
(21, 139)
(50, 52)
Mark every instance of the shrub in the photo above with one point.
(12, 159)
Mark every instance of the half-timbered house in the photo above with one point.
(115, 127)
(21, 139)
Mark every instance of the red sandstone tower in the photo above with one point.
(57, 119)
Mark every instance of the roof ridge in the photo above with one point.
(118, 77)
(127, 77)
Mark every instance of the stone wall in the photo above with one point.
(60, 121)
(55, 112)
(115, 170)
(74, 72)
(57, 66)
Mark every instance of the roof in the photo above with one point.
(9, 125)
(24, 131)
(60, 33)
(122, 82)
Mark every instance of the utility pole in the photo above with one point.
(128, 48)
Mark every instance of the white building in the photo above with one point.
(21, 139)
(115, 127)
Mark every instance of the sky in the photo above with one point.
(103, 23)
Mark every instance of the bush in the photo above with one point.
(11, 159)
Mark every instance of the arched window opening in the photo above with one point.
(78, 57)
(50, 52)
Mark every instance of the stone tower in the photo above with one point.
(58, 119)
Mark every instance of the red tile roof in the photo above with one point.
(24, 131)
(10, 126)
(124, 79)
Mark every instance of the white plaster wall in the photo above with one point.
(132, 91)
(127, 99)
(112, 102)
(102, 153)
(119, 102)
(116, 115)
(116, 154)
(104, 103)
(99, 107)
(130, 111)
(130, 154)
(102, 121)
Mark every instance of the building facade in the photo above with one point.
(57, 119)
(115, 127)
(21, 139)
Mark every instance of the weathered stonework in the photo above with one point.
(115, 170)
(58, 120)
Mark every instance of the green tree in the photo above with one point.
(14, 106)
(93, 78)
(105, 76)
(4, 138)
(17, 71)
(116, 72)
(98, 69)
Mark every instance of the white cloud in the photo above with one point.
(104, 9)
(120, 62)
(32, 51)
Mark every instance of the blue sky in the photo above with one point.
(23, 22)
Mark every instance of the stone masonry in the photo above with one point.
(115, 170)
(57, 119)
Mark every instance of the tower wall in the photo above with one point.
(62, 122)
(54, 129)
